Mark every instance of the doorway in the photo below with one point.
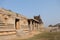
(17, 23)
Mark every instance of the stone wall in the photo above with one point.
(7, 23)
(24, 23)
(11, 21)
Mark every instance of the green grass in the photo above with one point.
(45, 36)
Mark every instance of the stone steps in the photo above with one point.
(2, 24)
(6, 29)
(7, 33)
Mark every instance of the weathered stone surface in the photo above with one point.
(10, 21)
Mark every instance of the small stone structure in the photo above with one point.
(54, 28)
(12, 23)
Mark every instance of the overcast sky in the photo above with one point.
(49, 10)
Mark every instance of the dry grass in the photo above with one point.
(45, 36)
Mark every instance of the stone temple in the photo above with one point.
(13, 23)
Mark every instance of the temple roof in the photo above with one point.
(9, 12)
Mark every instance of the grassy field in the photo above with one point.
(46, 36)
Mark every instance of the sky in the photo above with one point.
(49, 10)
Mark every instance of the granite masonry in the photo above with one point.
(14, 23)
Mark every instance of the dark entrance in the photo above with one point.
(17, 23)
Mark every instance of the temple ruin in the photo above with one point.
(11, 23)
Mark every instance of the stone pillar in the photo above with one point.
(37, 26)
(34, 25)
(30, 25)
(17, 24)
